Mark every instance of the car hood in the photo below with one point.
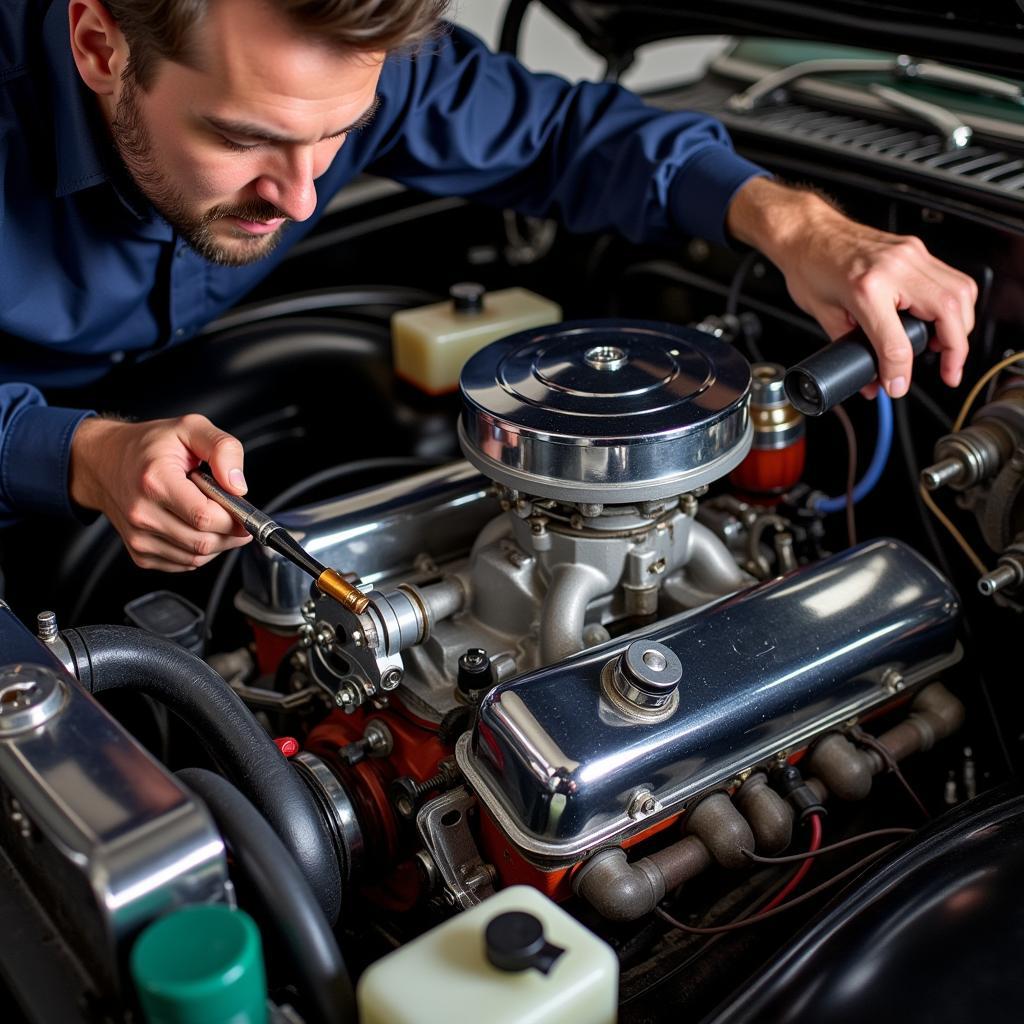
(986, 35)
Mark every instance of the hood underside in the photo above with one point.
(987, 35)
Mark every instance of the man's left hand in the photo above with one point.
(846, 274)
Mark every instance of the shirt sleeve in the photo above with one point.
(464, 121)
(35, 454)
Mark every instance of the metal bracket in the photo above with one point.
(444, 825)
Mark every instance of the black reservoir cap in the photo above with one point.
(515, 942)
(841, 369)
(171, 616)
(467, 297)
(475, 671)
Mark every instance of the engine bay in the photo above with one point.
(704, 678)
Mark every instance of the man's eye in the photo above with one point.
(236, 146)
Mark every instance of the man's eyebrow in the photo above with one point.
(248, 130)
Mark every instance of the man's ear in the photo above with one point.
(98, 46)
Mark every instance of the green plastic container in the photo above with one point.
(201, 965)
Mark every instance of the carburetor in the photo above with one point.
(596, 438)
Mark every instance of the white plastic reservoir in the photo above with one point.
(553, 970)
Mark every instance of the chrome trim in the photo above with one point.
(30, 695)
(665, 412)
(747, 70)
(333, 800)
(955, 134)
(106, 836)
(780, 78)
(765, 671)
(375, 533)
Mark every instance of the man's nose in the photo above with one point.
(289, 184)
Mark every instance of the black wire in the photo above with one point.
(926, 401)
(799, 858)
(788, 905)
(320, 300)
(867, 740)
(732, 299)
(760, 901)
(680, 275)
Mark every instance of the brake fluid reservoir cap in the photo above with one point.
(514, 941)
(608, 411)
(201, 965)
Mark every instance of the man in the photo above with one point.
(192, 141)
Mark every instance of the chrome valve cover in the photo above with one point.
(559, 757)
(606, 411)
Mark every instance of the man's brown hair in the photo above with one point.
(162, 29)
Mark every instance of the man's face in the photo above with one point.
(228, 152)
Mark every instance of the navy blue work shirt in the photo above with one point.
(89, 271)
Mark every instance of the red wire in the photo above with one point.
(802, 870)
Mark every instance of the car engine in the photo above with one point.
(618, 668)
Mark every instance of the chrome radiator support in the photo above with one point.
(583, 753)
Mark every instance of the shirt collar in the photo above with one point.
(80, 162)
(85, 156)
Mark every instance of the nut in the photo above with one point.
(893, 680)
(390, 679)
(641, 804)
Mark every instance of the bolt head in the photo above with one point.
(893, 680)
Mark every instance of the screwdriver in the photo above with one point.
(269, 534)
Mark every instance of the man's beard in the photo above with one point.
(131, 137)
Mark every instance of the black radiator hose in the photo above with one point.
(284, 898)
(126, 658)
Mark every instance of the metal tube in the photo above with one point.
(621, 891)
(562, 616)
(711, 565)
(769, 816)
(946, 471)
(722, 829)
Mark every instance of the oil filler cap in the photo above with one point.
(515, 942)
(608, 411)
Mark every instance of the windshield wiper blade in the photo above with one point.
(770, 86)
(957, 78)
(773, 86)
(955, 134)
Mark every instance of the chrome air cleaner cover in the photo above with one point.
(608, 411)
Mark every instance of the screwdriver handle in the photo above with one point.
(842, 368)
(268, 533)
(258, 523)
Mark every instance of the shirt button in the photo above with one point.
(179, 252)
(117, 357)
(180, 332)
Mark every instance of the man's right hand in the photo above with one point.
(137, 475)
